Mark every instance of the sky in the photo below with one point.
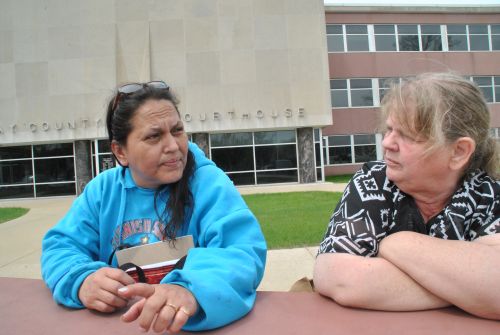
(413, 2)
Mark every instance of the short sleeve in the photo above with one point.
(360, 219)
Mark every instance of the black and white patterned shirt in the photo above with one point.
(373, 207)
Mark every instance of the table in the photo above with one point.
(26, 307)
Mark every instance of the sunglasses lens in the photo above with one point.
(130, 88)
(158, 84)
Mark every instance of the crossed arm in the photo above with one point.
(414, 272)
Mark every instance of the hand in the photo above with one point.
(99, 290)
(171, 304)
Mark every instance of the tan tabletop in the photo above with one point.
(26, 307)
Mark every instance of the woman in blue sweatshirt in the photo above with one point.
(164, 188)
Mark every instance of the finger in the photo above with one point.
(151, 308)
(101, 306)
(134, 311)
(179, 321)
(164, 318)
(111, 298)
(137, 289)
(120, 276)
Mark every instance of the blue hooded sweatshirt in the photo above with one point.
(222, 271)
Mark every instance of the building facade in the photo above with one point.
(280, 91)
(368, 47)
(251, 75)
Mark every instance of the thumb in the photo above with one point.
(137, 289)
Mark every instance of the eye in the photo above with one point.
(152, 137)
(178, 129)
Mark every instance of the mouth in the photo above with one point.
(172, 163)
(390, 162)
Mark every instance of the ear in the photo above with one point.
(463, 148)
(119, 153)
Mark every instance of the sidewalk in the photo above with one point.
(21, 238)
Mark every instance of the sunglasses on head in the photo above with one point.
(134, 87)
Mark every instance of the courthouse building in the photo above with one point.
(274, 91)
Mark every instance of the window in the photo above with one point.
(37, 170)
(431, 37)
(457, 37)
(317, 154)
(485, 84)
(256, 158)
(495, 37)
(361, 92)
(497, 88)
(385, 37)
(413, 37)
(384, 84)
(105, 159)
(350, 149)
(351, 93)
(357, 37)
(408, 37)
(339, 93)
(478, 37)
(335, 38)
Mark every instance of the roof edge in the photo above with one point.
(483, 9)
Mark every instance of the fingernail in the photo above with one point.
(123, 289)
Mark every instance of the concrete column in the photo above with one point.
(83, 168)
(305, 142)
(201, 139)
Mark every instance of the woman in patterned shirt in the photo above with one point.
(421, 229)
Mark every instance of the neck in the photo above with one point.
(431, 203)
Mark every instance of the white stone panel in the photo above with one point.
(236, 33)
(231, 8)
(131, 10)
(65, 42)
(303, 31)
(29, 13)
(306, 65)
(270, 32)
(166, 9)
(6, 15)
(302, 7)
(6, 47)
(31, 80)
(203, 68)
(272, 66)
(66, 77)
(133, 68)
(266, 7)
(238, 67)
(201, 34)
(7, 82)
(169, 67)
(200, 8)
(167, 36)
(30, 45)
(98, 40)
(99, 75)
(132, 37)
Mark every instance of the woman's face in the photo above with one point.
(157, 147)
(408, 164)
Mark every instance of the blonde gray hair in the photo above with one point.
(440, 108)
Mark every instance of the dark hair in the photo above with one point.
(118, 123)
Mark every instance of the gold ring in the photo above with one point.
(173, 306)
(183, 310)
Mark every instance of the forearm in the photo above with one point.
(466, 274)
(370, 282)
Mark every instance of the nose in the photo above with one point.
(170, 143)
(389, 141)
